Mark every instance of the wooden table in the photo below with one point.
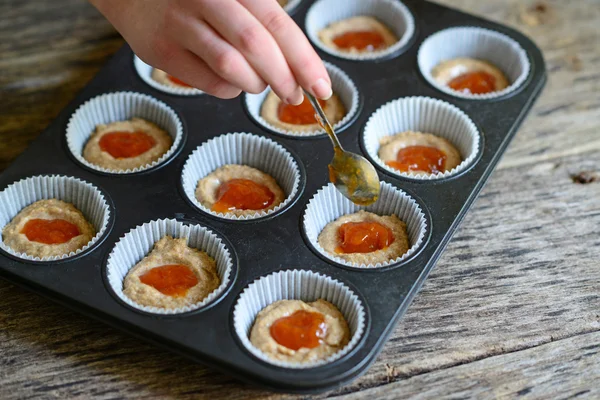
(512, 309)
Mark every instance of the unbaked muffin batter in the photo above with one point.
(299, 332)
(48, 228)
(126, 145)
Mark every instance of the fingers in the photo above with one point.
(239, 27)
(194, 71)
(304, 62)
(198, 37)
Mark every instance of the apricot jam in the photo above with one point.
(300, 329)
(172, 280)
(303, 114)
(126, 144)
(177, 82)
(242, 194)
(478, 82)
(419, 158)
(363, 237)
(50, 231)
(360, 40)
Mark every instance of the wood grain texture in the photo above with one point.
(512, 309)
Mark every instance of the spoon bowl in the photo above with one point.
(353, 175)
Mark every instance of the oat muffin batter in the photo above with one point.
(365, 238)
(48, 228)
(125, 145)
(471, 76)
(239, 190)
(362, 34)
(172, 275)
(418, 153)
(300, 118)
(299, 332)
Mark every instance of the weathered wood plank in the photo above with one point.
(519, 282)
(557, 370)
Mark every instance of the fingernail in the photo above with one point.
(296, 99)
(322, 89)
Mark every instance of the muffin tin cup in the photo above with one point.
(86, 197)
(138, 243)
(342, 86)
(328, 204)
(426, 115)
(121, 106)
(478, 43)
(302, 285)
(392, 13)
(145, 72)
(242, 149)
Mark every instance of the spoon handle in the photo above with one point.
(323, 120)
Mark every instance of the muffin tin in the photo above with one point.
(277, 242)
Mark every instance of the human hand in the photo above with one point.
(222, 47)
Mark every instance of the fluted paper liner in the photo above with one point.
(479, 43)
(328, 204)
(242, 149)
(302, 285)
(426, 115)
(145, 72)
(138, 243)
(86, 197)
(121, 106)
(291, 6)
(342, 86)
(392, 13)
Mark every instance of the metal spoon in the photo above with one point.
(352, 175)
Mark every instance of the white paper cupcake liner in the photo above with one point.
(392, 13)
(302, 285)
(121, 106)
(426, 115)
(86, 197)
(145, 72)
(342, 86)
(328, 204)
(479, 43)
(137, 244)
(242, 149)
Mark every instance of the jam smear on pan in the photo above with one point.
(303, 114)
(363, 237)
(360, 40)
(478, 82)
(419, 158)
(172, 280)
(300, 329)
(242, 194)
(50, 231)
(126, 144)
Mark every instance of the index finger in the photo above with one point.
(303, 60)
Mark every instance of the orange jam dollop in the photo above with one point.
(50, 231)
(303, 114)
(300, 329)
(360, 40)
(419, 158)
(172, 280)
(126, 144)
(177, 81)
(363, 237)
(242, 194)
(478, 82)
